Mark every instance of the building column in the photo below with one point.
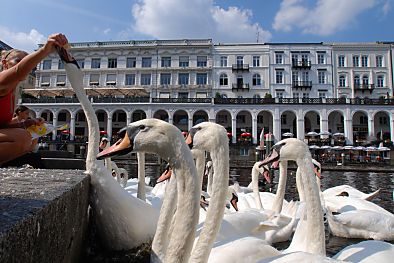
(109, 127)
(128, 119)
(300, 128)
(72, 128)
(323, 124)
(190, 124)
(392, 129)
(371, 126)
(54, 123)
(170, 121)
(348, 129)
(276, 128)
(254, 130)
(234, 129)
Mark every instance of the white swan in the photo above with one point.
(164, 139)
(121, 224)
(289, 149)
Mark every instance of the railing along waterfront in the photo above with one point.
(181, 100)
(256, 101)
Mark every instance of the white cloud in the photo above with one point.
(386, 7)
(195, 19)
(325, 18)
(21, 40)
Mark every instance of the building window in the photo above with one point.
(164, 95)
(240, 60)
(380, 81)
(201, 95)
(278, 58)
(81, 62)
(201, 78)
(294, 77)
(165, 62)
(45, 81)
(165, 78)
(279, 76)
(223, 61)
(342, 81)
(256, 81)
(321, 58)
(305, 95)
(321, 76)
(283, 119)
(146, 62)
(356, 61)
(46, 64)
(223, 80)
(201, 61)
(131, 62)
(145, 79)
(60, 80)
(94, 79)
(364, 61)
(60, 64)
(183, 95)
(341, 61)
(111, 79)
(365, 80)
(279, 94)
(296, 95)
(183, 61)
(379, 61)
(363, 119)
(357, 80)
(383, 120)
(256, 61)
(95, 63)
(130, 79)
(305, 76)
(322, 95)
(112, 63)
(183, 79)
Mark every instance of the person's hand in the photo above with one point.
(55, 40)
(29, 122)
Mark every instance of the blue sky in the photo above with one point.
(25, 23)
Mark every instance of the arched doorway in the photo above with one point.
(199, 116)
(288, 124)
(181, 120)
(161, 115)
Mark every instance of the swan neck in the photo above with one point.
(280, 192)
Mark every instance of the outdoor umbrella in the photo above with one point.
(288, 134)
(312, 133)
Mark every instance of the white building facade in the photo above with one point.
(289, 87)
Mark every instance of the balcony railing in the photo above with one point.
(240, 87)
(302, 84)
(240, 67)
(256, 101)
(181, 100)
(301, 64)
(369, 87)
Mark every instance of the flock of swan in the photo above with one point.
(181, 229)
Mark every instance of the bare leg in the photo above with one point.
(14, 142)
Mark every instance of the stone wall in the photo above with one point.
(43, 215)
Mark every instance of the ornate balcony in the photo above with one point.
(240, 67)
(181, 100)
(362, 87)
(240, 87)
(302, 85)
(301, 64)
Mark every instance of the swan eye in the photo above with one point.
(142, 127)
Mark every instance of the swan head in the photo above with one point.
(66, 56)
(264, 170)
(316, 168)
(147, 135)
(207, 136)
(290, 149)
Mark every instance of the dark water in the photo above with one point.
(363, 181)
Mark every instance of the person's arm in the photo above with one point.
(27, 64)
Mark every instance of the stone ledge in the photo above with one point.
(43, 215)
